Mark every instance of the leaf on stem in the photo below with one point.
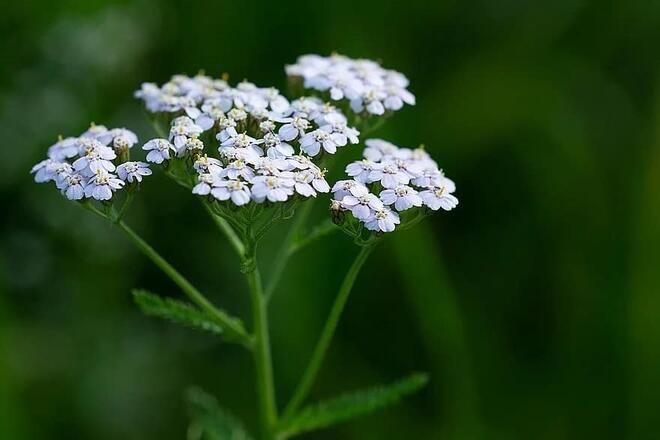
(176, 311)
(351, 405)
(210, 420)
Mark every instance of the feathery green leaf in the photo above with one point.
(351, 405)
(210, 421)
(176, 311)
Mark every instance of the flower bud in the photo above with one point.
(337, 212)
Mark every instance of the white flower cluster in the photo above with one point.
(87, 166)
(266, 142)
(243, 178)
(364, 83)
(404, 179)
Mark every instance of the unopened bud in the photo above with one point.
(337, 213)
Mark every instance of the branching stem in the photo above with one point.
(229, 324)
(314, 365)
(285, 253)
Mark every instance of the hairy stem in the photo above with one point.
(261, 348)
(327, 333)
(231, 327)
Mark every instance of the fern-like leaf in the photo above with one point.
(175, 311)
(210, 421)
(351, 405)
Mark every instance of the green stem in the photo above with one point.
(261, 348)
(226, 229)
(231, 327)
(126, 205)
(285, 253)
(318, 232)
(327, 333)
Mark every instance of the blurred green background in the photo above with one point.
(535, 305)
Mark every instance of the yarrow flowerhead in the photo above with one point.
(84, 167)
(368, 87)
(248, 146)
(266, 145)
(387, 182)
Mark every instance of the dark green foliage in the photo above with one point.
(175, 311)
(210, 421)
(351, 405)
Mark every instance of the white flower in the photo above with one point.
(150, 94)
(73, 186)
(344, 85)
(211, 112)
(267, 126)
(122, 138)
(403, 197)
(227, 128)
(319, 183)
(238, 168)
(249, 155)
(361, 170)
(241, 140)
(383, 220)
(237, 114)
(397, 95)
(102, 184)
(300, 162)
(293, 128)
(130, 171)
(312, 142)
(308, 182)
(159, 150)
(396, 170)
(341, 131)
(277, 149)
(192, 145)
(377, 149)
(362, 207)
(94, 131)
(273, 188)
(277, 102)
(63, 149)
(237, 191)
(266, 166)
(205, 164)
(205, 183)
(436, 198)
(373, 98)
(365, 84)
(390, 175)
(182, 128)
(306, 106)
(45, 171)
(94, 156)
(348, 187)
(429, 177)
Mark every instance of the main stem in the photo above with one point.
(326, 335)
(195, 295)
(261, 348)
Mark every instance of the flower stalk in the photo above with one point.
(314, 365)
(231, 326)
